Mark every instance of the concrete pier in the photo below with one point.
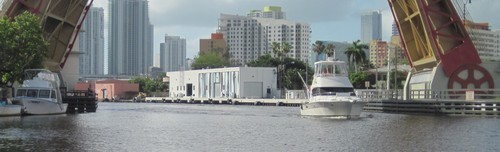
(257, 102)
(445, 107)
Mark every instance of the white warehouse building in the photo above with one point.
(234, 82)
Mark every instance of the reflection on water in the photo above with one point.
(186, 127)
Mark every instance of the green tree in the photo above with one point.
(293, 68)
(358, 79)
(149, 85)
(281, 50)
(286, 48)
(265, 61)
(209, 60)
(224, 53)
(21, 47)
(142, 81)
(330, 50)
(291, 79)
(319, 48)
(356, 54)
(400, 77)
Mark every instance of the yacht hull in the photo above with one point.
(10, 110)
(41, 107)
(341, 109)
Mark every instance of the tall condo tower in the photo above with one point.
(130, 42)
(173, 54)
(91, 43)
(371, 26)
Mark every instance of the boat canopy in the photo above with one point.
(37, 76)
(330, 68)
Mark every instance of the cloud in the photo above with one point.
(484, 11)
(205, 13)
(387, 21)
(192, 35)
(331, 19)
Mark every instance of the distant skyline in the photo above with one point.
(331, 20)
(371, 26)
(130, 44)
(173, 53)
(91, 42)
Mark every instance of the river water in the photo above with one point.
(188, 127)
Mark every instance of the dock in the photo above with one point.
(389, 101)
(449, 107)
(79, 101)
(257, 102)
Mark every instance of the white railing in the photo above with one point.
(432, 95)
(456, 94)
(373, 94)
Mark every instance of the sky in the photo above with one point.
(331, 20)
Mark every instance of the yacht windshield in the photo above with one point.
(328, 69)
(332, 91)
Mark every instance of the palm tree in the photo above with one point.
(356, 54)
(281, 49)
(330, 50)
(319, 48)
(286, 48)
(276, 48)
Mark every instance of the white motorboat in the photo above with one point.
(331, 93)
(40, 94)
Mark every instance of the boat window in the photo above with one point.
(44, 93)
(53, 94)
(21, 92)
(331, 69)
(32, 93)
(339, 69)
(331, 91)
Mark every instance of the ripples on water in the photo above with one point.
(187, 127)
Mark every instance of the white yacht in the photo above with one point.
(40, 94)
(331, 93)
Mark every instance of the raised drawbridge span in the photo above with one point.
(60, 20)
(440, 50)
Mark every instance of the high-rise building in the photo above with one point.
(395, 30)
(397, 52)
(157, 60)
(378, 53)
(486, 41)
(130, 42)
(268, 12)
(371, 26)
(215, 43)
(251, 37)
(173, 54)
(91, 42)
